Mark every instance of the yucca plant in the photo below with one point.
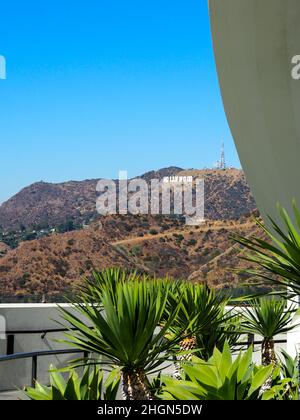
(90, 386)
(277, 259)
(226, 328)
(287, 387)
(284, 380)
(219, 378)
(268, 317)
(92, 287)
(124, 331)
(202, 317)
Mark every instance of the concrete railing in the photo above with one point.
(26, 325)
(37, 318)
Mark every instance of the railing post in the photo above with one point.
(34, 370)
(10, 344)
(250, 339)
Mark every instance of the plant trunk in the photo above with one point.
(135, 386)
(268, 357)
(187, 344)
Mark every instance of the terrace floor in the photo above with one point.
(12, 395)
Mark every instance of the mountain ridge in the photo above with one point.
(48, 204)
(54, 265)
(158, 245)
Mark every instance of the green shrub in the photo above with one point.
(153, 232)
(179, 237)
(136, 250)
(220, 378)
(191, 242)
(91, 386)
(125, 321)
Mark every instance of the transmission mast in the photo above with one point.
(222, 164)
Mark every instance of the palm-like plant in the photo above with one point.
(202, 317)
(93, 287)
(124, 331)
(277, 261)
(226, 328)
(268, 318)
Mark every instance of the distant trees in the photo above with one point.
(30, 236)
(9, 239)
(136, 250)
(67, 226)
(191, 242)
(153, 232)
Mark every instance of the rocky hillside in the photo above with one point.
(154, 245)
(227, 196)
(51, 262)
(43, 204)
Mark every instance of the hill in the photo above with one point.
(47, 261)
(157, 246)
(43, 205)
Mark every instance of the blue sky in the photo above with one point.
(101, 85)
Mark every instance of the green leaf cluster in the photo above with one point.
(90, 386)
(219, 378)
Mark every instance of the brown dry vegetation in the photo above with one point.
(156, 245)
(53, 265)
(227, 196)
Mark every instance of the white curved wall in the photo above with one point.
(254, 42)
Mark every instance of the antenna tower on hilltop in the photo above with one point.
(221, 164)
(222, 158)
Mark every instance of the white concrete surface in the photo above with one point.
(17, 373)
(293, 339)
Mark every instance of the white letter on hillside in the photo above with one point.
(107, 201)
(138, 203)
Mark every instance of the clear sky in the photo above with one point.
(96, 86)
